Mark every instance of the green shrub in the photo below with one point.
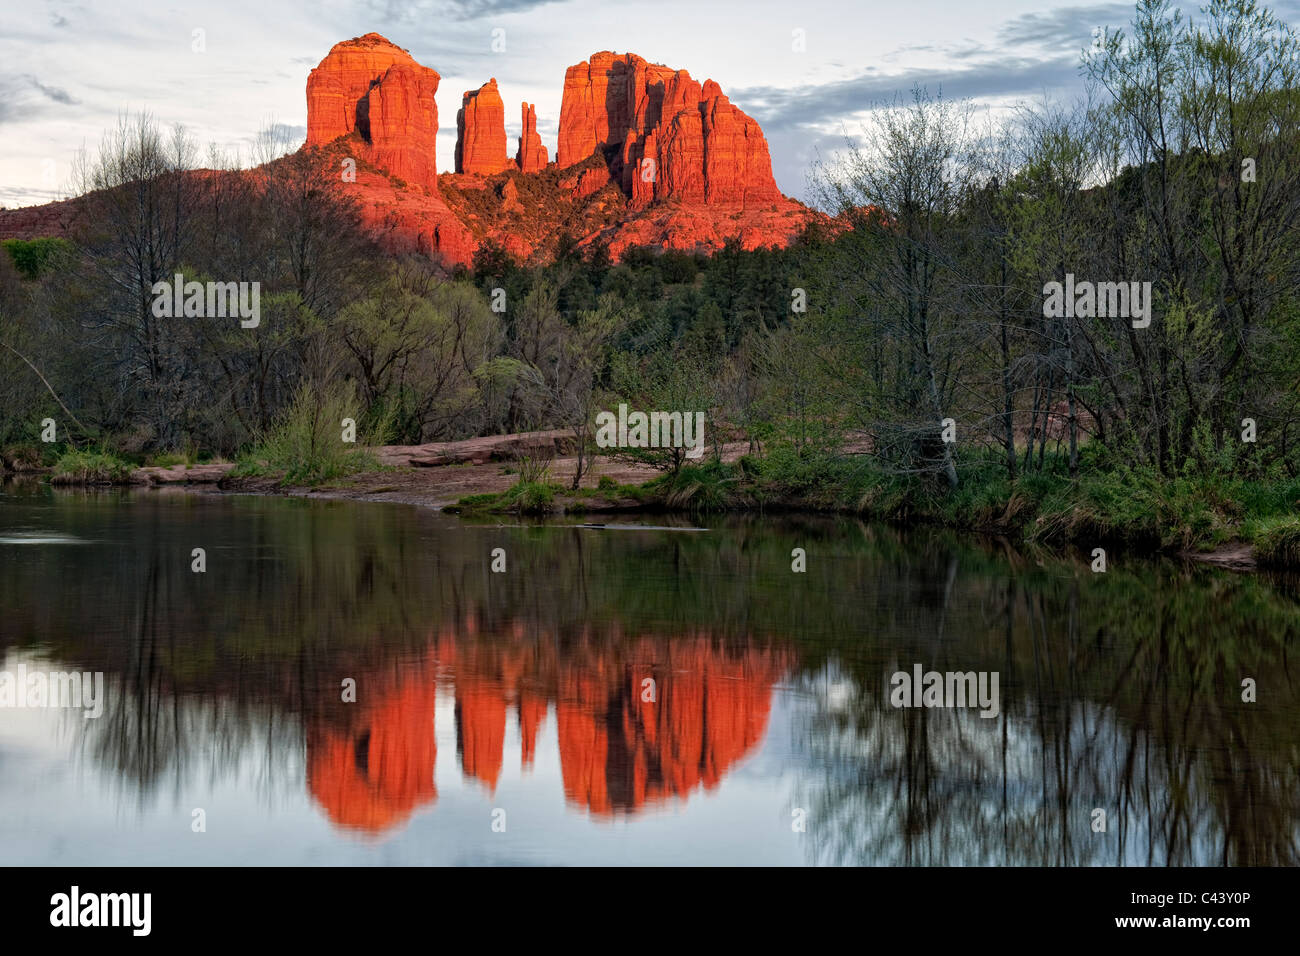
(187, 456)
(34, 257)
(1277, 543)
(528, 498)
(306, 443)
(90, 468)
(713, 486)
(521, 498)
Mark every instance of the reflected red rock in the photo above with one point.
(624, 745)
(480, 730)
(374, 776)
(621, 751)
(532, 715)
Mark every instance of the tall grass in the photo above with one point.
(1277, 543)
(306, 442)
(90, 468)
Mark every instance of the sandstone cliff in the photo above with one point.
(646, 156)
(370, 86)
(481, 132)
(531, 156)
(666, 136)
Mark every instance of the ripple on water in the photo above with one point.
(39, 537)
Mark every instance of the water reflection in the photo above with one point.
(1119, 692)
(1124, 699)
(624, 745)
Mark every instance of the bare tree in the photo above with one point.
(141, 205)
(901, 189)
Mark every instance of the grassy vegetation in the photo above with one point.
(25, 456)
(35, 257)
(90, 467)
(521, 498)
(107, 463)
(320, 469)
(1109, 503)
(1277, 542)
(306, 446)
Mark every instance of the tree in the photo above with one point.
(901, 191)
(140, 206)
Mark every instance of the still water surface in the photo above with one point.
(520, 698)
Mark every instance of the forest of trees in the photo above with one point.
(921, 302)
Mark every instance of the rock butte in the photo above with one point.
(673, 138)
(481, 132)
(376, 89)
(646, 156)
(532, 154)
(689, 169)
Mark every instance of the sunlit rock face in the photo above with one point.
(481, 132)
(374, 87)
(657, 160)
(531, 155)
(626, 744)
(672, 138)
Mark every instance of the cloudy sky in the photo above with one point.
(68, 68)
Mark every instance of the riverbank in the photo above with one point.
(1231, 523)
(1234, 524)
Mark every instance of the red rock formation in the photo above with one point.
(737, 168)
(672, 138)
(649, 157)
(481, 132)
(531, 155)
(370, 86)
(586, 105)
(585, 183)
